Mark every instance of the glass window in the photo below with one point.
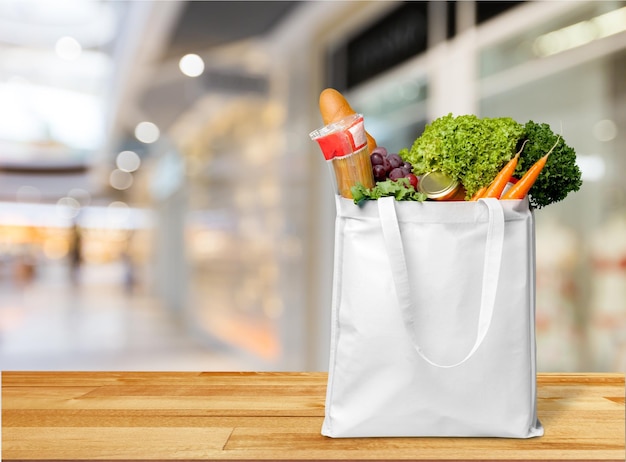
(581, 241)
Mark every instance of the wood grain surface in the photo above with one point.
(271, 416)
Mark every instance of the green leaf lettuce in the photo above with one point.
(468, 149)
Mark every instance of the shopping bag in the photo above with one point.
(433, 320)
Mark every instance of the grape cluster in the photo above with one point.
(391, 166)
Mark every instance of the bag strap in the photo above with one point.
(491, 271)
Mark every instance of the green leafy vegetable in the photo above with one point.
(473, 150)
(401, 189)
(559, 177)
(466, 148)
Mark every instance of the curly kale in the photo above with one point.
(559, 177)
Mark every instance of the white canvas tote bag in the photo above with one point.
(433, 320)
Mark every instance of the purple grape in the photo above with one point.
(387, 165)
(408, 166)
(405, 170)
(376, 158)
(395, 160)
(396, 173)
(380, 174)
(380, 150)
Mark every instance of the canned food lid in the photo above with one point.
(437, 184)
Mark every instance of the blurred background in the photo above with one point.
(163, 208)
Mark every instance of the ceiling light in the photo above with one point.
(128, 161)
(147, 132)
(37, 23)
(191, 65)
(34, 112)
(68, 48)
(581, 33)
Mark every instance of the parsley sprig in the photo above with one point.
(401, 189)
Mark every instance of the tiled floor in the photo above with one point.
(49, 324)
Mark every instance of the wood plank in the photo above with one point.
(245, 442)
(588, 378)
(209, 405)
(72, 418)
(89, 443)
(185, 416)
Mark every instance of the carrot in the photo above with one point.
(502, 178)
(334, 107)
(478, 194)
(521, 188)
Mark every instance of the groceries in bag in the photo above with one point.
(474, 151)
(466, 158)
(426, 338)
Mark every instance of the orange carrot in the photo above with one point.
(521, 188)
(478, 194)
(502, 178)
(499, 182)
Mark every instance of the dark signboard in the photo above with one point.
(399, 35)
(396, 37)
(487, 9)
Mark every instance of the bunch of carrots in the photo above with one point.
(519, 189)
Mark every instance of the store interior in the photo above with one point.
(162, 206)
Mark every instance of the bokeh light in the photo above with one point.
(128, 161)
(68, 207)
(605, 130)
(27, 193)
(147, 132)
(68, 48)
(120, 179)
(191, 65)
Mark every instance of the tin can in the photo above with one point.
(438, 186)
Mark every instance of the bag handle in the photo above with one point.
(491, 271)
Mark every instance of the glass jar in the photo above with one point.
(344, 145)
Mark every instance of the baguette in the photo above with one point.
(334, 107)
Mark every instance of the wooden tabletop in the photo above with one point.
(192, 415)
